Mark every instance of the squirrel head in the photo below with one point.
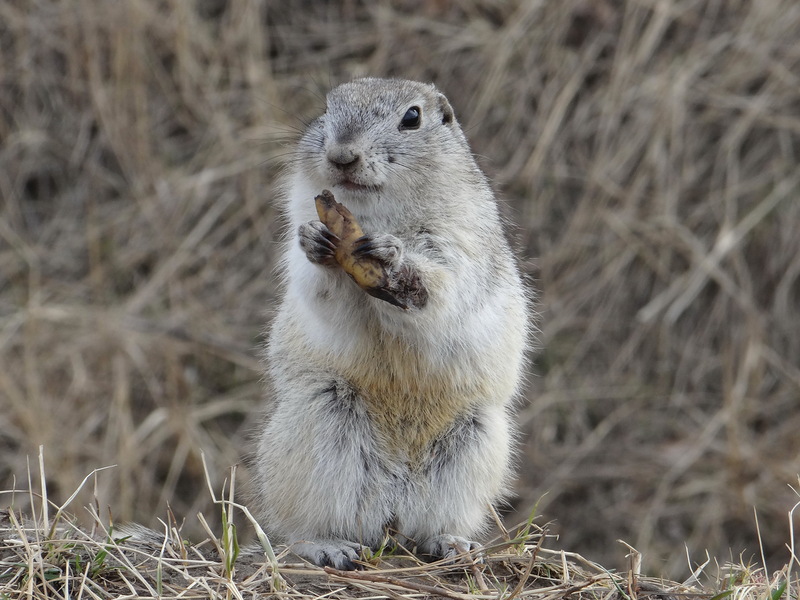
(377, 134)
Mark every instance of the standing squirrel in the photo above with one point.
(391, 390)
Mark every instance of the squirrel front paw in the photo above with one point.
(374, 262)
(318, 243)
(385, 249)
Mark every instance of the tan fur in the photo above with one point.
(410, 404)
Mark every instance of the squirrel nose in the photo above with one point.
(343, 158)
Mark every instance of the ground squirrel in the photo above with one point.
(389, 410)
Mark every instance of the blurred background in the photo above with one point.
(646, 149)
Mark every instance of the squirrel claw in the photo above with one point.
(339, 554)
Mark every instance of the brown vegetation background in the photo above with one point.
(647, 149)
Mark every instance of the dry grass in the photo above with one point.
(46, 555)
(648, 149)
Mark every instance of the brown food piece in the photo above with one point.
(369, 273)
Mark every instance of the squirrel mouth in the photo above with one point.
(356, 187)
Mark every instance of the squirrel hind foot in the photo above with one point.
(336, 553)
(446, 546)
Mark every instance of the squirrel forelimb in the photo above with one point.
(360, 257)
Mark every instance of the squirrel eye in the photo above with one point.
(412, 118)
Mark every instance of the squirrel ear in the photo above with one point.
(447, 110)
